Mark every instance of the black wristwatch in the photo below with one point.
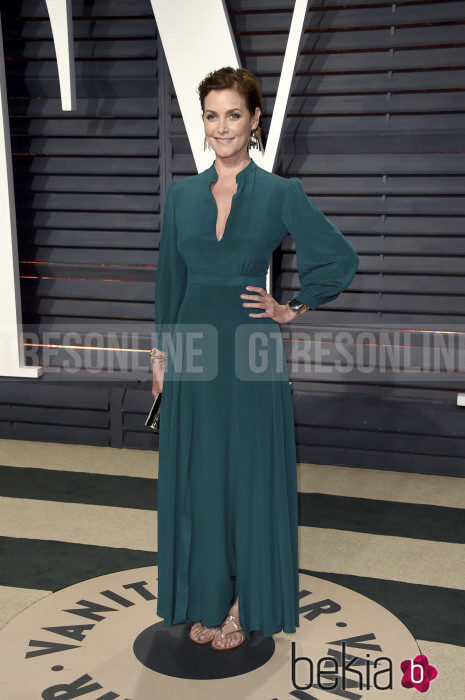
(297, 306)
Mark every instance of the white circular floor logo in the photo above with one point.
(102, 639)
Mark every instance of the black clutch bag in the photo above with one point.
(153, 419)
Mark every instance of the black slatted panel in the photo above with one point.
(374, 132)
(87, 182)
(373, 129)
(88, 186)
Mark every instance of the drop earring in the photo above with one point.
(255, 142)
(205, 144)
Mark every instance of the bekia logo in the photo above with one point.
(418, 673)
(341, 671)
(102, 639)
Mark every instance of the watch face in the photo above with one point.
(298, 307)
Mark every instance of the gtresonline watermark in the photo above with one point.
(254, 351)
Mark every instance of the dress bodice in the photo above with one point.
(264, 209)
(253, 228)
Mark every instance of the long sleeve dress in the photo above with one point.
(227, 481)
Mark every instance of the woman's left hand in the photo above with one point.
(281, 313)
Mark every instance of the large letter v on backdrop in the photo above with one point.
(197, 38)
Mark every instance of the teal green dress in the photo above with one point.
(227, 480)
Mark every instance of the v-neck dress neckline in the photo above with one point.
(212, 176)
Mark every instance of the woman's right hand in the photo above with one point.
(158, 374)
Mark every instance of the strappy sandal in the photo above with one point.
(231, 618)
(204, 630)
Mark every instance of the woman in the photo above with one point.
(227, 484)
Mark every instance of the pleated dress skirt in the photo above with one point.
(227, 482)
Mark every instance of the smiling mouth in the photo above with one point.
(224, 140)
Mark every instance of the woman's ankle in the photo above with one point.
(234, 609)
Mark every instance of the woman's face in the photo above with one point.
(227, 122)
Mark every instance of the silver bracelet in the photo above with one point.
(154, 357)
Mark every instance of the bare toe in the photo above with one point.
(218, 640)
(195, 631)
(204, 636)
